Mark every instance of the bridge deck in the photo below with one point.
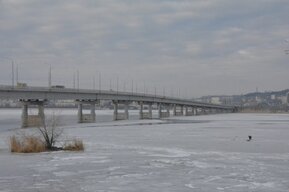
(42, 93)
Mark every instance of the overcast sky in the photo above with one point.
(195, 47)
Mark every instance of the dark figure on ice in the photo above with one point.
(249, 138)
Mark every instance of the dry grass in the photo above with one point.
(74, 145)
(26, 144)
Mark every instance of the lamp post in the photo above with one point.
(12, 69)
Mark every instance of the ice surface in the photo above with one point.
(200, 153)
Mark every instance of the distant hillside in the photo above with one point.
(267, 94)
(273, 101)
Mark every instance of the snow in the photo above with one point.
(199, 153)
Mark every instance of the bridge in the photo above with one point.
(39, 96)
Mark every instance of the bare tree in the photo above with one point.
(50, 131)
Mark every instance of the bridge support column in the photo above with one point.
(201, 111)
(115, 110)
(175, 110)
(32, 120)
(195, 111)
(145, 115)
(150, 111)
(168, 111)
(181, 110)
(86, 118)
(24, 115)
(92, 112)
(79, 113)
(120, 116)
(163, 114)
(204, 112)
(126, 110)
(178, 110)
(141, 115)
(160, 110)
(189, 112)
(214, 111)
(41, 112)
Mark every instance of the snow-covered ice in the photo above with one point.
(200, 153)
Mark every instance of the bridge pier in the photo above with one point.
(174, 109)
(218, 111)
(189, 112)
(209, 111)
(212, 111)
(145, 115)
(178, 110)
(201, 111)
(194, 111)
(86, 118)
(197, 111)
(120, 116)
(205, 111)
(32, 120)
(162, 114)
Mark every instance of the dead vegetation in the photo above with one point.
(45, 139)
(50, 132)
(26, 144)
(74, 145)
(33, 144)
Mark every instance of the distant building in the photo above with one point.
(274, 101)
(258, 99)
(215, 100)
(283, 99)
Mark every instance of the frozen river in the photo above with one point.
(181, 154)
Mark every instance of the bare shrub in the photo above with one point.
(45, 140)
(15, 144)
(51, 132)
(26, 144)
(74, 145)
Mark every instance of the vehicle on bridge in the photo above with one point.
(58, 86)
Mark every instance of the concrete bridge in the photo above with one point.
(39, 96)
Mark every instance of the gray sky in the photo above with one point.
(195, 47)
